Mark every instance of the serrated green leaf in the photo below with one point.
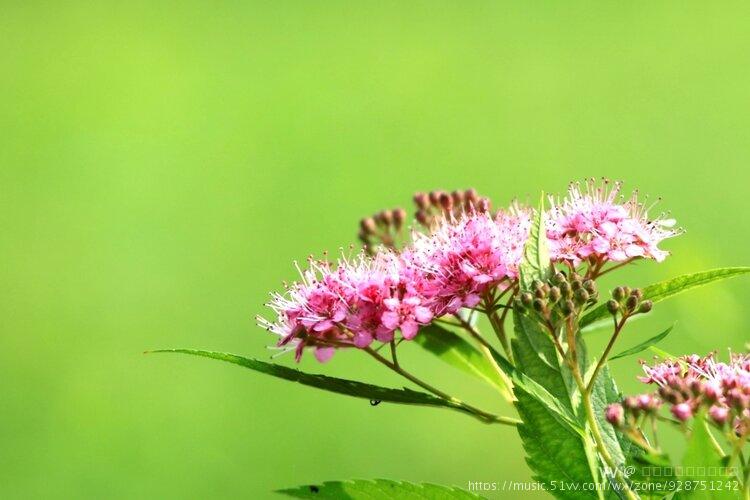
(378, 489)
(554, 452)
(702, 462)
(643, 345)
(457, 352)
(665, 289)
(535, 264)
(331, 384)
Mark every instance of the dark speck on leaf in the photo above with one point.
(374, 402)
(314, 489)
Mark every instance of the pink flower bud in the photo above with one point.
(719, 414)
(682, 411)
(615, 414)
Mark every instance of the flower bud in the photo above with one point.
(539, 305)
(568, 307)
(399, 216)
(421, 200)
(527, 299)
(719, 414)
(682, 412)
(540, 293)
(470, 195)
(484, 205)
(615, 414)
(446, 202)
(590, 286)
(368, 225)
(554, 294)
(618, 293)
(576, 285)
(422, 218)
(637, 293)
(559, 278)
(581, 296)
(458, 198)
(435, 198)
(613, 306)
(566, 290)
(631, 303)
(646, 306)
(386, 217)
(626, 291)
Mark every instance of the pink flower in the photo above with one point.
(682, 412)
(463, 258)
(615, 414)
(597, 223)
(351, 304)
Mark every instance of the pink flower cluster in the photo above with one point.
(595, 223)
(467, 254)
(693, 383)
(366, 298)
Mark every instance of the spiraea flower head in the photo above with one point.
(595, 221)
(465, 256)
(349, 304)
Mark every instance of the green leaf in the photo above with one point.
(643, 345)
(331, 384)
(554, 452)
(665, 289)
(535, 264)
(457, 352)
(702, 462)
(378, 489)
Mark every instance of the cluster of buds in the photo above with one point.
(633, 409)
(436, 205)
(627, 302)
(381, 228)
(693, 385)
(563, 296)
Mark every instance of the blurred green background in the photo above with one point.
(162, 164)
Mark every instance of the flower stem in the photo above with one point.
(482, 415)
(605, 354)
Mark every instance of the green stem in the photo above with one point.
(482, 415)
(498, 325)
(596, 433)
(605, 354)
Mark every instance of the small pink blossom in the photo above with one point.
(596, 222)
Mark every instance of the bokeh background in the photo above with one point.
(163, 163)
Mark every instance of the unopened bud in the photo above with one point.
(645, 306)
(539, 293)
(435, 198)
(554, 294)
(682, 412)
(446, 202)
(581, 296)
(631, 303)
(527, 299)
(615, 414)
(484, 205)
(399, 215)
(576, 285)
(618, 293)
(421, 200)
(422, 218)
(719, 414)
(568, 307)
(539, 305)
(368, 225)
(386, 216)
(590, 286)
(637, 293)
(613, 306)
(566, 290)
(458, 198)
(626, 291)
(470, 195)
(559, 278)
